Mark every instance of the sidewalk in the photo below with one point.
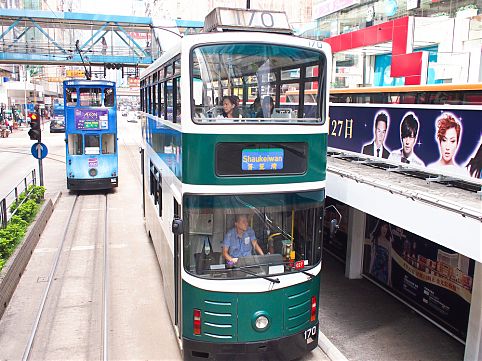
(366, 323)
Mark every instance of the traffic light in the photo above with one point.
(35, 133)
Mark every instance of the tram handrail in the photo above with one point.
(13, 195)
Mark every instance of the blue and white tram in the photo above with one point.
(91, 134)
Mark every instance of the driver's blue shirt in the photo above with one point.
(239, 246)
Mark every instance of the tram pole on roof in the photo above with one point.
(87, 72)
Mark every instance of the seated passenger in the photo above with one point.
(267, 107)
(255, 108)
(230, 106)
(240, 240)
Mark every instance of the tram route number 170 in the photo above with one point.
(253, 18)
(311, 332)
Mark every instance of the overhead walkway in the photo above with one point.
(48, 37)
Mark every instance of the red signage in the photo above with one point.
(133, 82)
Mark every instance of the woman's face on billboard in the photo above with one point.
(448, 145)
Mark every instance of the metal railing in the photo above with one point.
(13, 196)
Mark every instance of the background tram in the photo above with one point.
(202, 171)
(91, 134)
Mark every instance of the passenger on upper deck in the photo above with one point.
(408, 136)
(230, 106)
(240, 240)
(267, 107)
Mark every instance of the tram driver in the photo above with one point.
(240, 240)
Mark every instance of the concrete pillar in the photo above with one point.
(473, 344)
(354, 246)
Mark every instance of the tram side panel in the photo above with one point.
(157, 203)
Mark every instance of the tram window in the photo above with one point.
(222, 70)
(287, 226)
(170, 100)
(142, 100)
(92, 144)
(177, 67)
(156, 187)
(90, 97)
(71, 97)
(109, 98)
(154, 99)
(178, 100)
(74, 142)
(290, 74)
(162, 101)
(108, 143)
(312, 71)
(169, 71)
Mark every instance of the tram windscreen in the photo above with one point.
(252, 235)
(254, 80)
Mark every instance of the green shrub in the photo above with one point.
(37, 193)
(28, 210)
(12, 234)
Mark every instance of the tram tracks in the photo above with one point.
(72, 320)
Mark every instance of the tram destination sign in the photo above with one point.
(267, 159)
(262, 159)
(91, 119)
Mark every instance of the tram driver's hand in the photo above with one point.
(234, 260)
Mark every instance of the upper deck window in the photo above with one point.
(254, 80)
(109, 98)
(90, 97)
(71, 97)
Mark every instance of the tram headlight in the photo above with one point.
(260, 321)
(92, 172)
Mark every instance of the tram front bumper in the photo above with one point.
(284, 348)
(92, 184)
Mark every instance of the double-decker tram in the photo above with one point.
(234, 185)
(91, 134)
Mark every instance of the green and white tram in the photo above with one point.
(234, 292)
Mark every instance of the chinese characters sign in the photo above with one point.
(262, 159)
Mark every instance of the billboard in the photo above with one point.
(435, 280)
(445, 140)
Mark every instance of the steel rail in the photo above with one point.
(33, 333)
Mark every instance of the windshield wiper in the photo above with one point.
(274, 280)
(304, 272)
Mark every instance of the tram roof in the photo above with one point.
(84, 82)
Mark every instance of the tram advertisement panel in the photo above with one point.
(91, 119)
(337, 243)
(448, 140)
(432, 278)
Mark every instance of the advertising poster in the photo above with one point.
(432, 278)
(90, 119)
(337, 243)
(449, 141)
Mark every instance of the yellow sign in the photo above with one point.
(75, 73)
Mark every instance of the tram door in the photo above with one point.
(177, 272)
